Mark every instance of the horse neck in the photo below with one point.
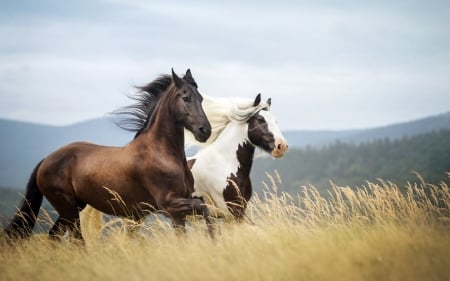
(233, 142)
(164, 131)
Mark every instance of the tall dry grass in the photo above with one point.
(374, 232)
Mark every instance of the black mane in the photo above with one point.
(137, 115)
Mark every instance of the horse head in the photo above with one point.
(187, 106)
(263, 130)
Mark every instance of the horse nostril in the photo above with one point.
(204, 130)
(281, 146)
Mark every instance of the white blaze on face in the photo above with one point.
(281, 145)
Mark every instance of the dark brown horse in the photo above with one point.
(148, 174)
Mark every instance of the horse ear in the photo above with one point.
(177, 80)
(269, 101)
(188, 78)
(188, 74)
(257, 100)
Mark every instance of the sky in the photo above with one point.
(327, 65)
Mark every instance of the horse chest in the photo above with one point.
(212, 170)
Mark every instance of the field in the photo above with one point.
(373, 232)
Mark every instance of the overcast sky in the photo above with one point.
(326, 64)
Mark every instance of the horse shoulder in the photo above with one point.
(163, 173)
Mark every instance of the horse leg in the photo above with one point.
(200, 208)
(68, 208)
(62, 225)
(58, 229)
(75, 229)
(179, 223)
(91, 222)
(179, 208)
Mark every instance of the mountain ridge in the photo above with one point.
(301, 138)
(24, 144)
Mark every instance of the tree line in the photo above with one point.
(348, 164)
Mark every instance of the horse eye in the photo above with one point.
(186, 99)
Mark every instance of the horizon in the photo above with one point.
(110, 117)
(327, 66)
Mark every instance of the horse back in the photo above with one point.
(68, 167)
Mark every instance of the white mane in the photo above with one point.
(222, 111)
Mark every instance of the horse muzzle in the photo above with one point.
(202, 134)
(281, 146)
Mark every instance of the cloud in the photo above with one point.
(325, 65)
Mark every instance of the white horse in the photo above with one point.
(222, 166)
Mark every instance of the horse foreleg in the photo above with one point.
(179, 208)
(179, 223)
(200, 208)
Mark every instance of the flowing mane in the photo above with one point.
(222, 111)
(137, 115)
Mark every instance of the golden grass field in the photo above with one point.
(370, 233)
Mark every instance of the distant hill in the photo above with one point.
(23, 144)
(348, 164)
(9, 201)
(392, 132)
